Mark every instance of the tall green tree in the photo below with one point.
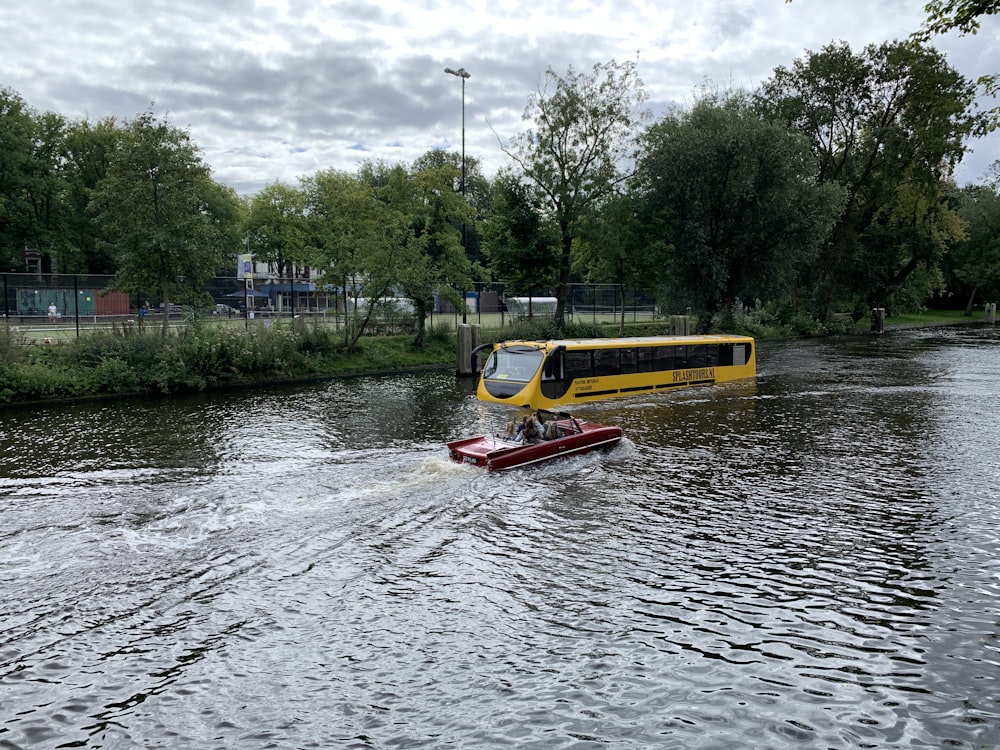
(89, 151)
(973, 263)
(45, 189)
(169, 225)
(888, 125)
(520, 242)
(275, 227)
(357, 242)
(29, 153)
(616, 245)
(581, 146)
(736, 197)
(435, 261)
(477, 194)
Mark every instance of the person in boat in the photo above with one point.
(509, 431)
(552, 430)
(530, 432)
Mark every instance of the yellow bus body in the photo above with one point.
(550, 374)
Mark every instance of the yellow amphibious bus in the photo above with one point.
(547, 374)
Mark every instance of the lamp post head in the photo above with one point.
(461, 72)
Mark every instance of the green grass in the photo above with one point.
(930, 317)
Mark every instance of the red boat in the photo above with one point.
(497, 454)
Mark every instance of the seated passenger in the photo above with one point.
(552, 431)
(530, 432)
(509, 431)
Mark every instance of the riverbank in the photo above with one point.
(202, 357)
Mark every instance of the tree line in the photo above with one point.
(827, 190)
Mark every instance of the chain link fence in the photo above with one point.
(66, 304)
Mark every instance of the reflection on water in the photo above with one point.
(808, 560)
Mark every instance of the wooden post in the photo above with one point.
(468, 339)
(878, 320)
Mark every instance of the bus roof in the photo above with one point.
(628, 341)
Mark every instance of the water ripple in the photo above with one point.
(806, 561)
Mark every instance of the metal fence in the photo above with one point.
(66, 304)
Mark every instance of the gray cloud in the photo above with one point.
(277, 89)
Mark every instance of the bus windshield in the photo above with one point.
(519, 365)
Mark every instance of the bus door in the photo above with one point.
(554, 381)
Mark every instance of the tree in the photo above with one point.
(973, 262)
(44, 189)
(948, 15)
(89, 150)
(615, 245)
(888, 125)
(581, 147)
(736, 197)
(477, 193)
(521, 244)
(963, 15)
(433, 261)
(19, 171)
(167, 222)
(357, 241)
(275, 227)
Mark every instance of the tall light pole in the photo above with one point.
(463, 74)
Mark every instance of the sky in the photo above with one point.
(275, 90)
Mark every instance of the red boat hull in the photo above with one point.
(496, 454)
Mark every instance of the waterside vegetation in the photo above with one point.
(202, 356)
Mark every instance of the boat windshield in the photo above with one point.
(519, 365)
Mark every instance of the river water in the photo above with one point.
(811, 560)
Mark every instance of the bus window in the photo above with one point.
(630, 362)
(552, 369)
(518, 364)
(607, 362)
(645, 357)
(680, 357)
(579, 364)
(664, 359)
(697, 356)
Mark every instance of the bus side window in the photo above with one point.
(726, 355)
(607, 362)
(680, 357)
(697, 356)
(630, 361)
(579, 364)
(663, 358)
(645, 357)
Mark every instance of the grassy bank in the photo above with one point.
(202, 356)
(198, 358)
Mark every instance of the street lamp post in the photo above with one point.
(463, 74)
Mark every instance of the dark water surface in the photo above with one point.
(811, 560)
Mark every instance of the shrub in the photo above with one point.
(114, 375)
(546, 329)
